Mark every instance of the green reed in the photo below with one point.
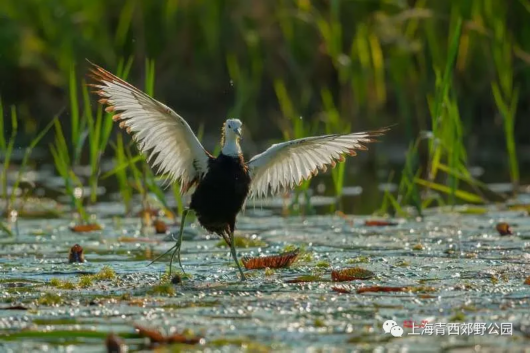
(377, 58)
(294, 128)
(505, 91)
(7, 144)
(63, 164)
(120, 159)
(99, 129)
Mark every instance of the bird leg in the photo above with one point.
(179, 243)
(234, 255)
(176, 247)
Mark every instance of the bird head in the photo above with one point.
(232, 129)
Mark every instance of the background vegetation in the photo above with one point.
(453, 75)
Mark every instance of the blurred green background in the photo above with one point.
(456, 68)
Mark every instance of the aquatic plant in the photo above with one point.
(86, 281)
(322, 264)
(163, 289)
(243, 242)
(335, 125)
(49, 299)
(7, 144)
(505, 90)
(294, 127)
(63, 164)
(99, 128)
(351, 274)
(105, 274)
(62, 284)
(120, 159)
(325, 68)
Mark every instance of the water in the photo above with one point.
(463, 272)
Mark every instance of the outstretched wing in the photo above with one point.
(158, 130)
(287, 164)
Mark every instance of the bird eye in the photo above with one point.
(229, 126)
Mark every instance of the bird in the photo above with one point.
(219, 185)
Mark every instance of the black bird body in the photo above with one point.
(220, 195)
(222, 183)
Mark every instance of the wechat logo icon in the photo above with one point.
(390, 326)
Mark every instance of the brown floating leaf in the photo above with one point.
(273, 261)
(76, 254)
(382, 289)
(527, 281)
(303, 279)
(156, 337)
(114, 344)
(341, 290)
(137, 240)
(351, 274)
(504, 228)
(179, 338)
(378, 223)
(14, 307)
(153, 335)
(82, 228)
(160, 226)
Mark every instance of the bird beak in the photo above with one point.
(238, 132)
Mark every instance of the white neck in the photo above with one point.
(231, 147)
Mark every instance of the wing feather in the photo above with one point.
(161, 134)
(287, 164)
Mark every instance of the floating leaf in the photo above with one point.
(137, 240)
(504, 228)
(153, 335)
(114, 344)
(379, 223)
(342, 290)
(351, 274)
(160, 226)
(179, 338)
(157, 338)
(273, 261)
(14, 307)
(383, 289)
(306, 278)
(83, 228)
(527, 281)
(76, 254)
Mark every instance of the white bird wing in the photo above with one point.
(158, 130)
(285, 165)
